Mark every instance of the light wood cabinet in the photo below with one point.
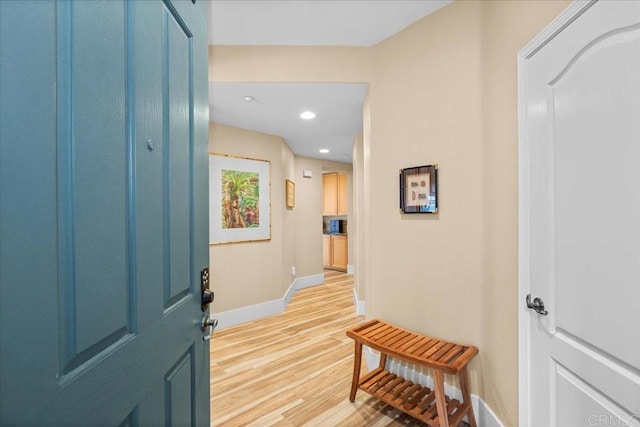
(339, 250)
(334, 194)
(335, 251)
(330, 194)
(326, 251)
(342, 194)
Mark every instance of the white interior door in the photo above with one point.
(580, 219)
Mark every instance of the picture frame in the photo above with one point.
(239, 199)
(419, 189)
(290, 194)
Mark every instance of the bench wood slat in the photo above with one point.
(399, 390)
(381, 382)
(407, 395)
(411, 342)
(389, 337)
(438, 354)
(416, 399)
(446, 358)
(398, 339)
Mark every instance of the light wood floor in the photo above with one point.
(294, 369)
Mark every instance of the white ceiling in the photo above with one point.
(300, 22)
(319, 22)
(277, 107)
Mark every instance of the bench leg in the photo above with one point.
(383, 360)
(441, 404)
(464, 385)
(357, 359)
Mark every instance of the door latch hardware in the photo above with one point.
(537, 305)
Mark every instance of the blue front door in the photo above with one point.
(103, 213)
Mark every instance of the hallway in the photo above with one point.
(295, 368)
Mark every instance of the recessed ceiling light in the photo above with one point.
(323, 150)
(249, 98)
(308, 115)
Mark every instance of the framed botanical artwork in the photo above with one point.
(419, 189)
(239, 199)
(290, 194)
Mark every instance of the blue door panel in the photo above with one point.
(101, 175)
(92, 178)
(179, 390)
(178, 107)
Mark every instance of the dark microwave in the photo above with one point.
(337, 226)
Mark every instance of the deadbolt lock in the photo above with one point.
(207, 296)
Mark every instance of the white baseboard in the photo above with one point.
(360, 305)
(308, 281)
(351, 269)
(289, 294)
(269, 308)
(485, 417)
(247, 314)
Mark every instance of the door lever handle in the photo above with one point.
(537, 305)
(208, 325)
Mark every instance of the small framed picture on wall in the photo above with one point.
(290, 194)
(419, 189)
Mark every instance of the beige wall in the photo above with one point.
(444, 91)
(308, 222)
(426, 271)
(288, 220)
(358, 213)
(357, 207)
(508, 27)
(249, 273)
(289, 64)
(364, 238)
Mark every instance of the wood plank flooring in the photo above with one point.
(294, 369)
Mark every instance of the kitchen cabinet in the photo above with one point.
(334, 194)
(326, 250)
(335, 251)
(339, 252)
(342, 194)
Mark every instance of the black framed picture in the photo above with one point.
(419, 189)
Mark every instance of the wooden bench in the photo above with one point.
(431, 407)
